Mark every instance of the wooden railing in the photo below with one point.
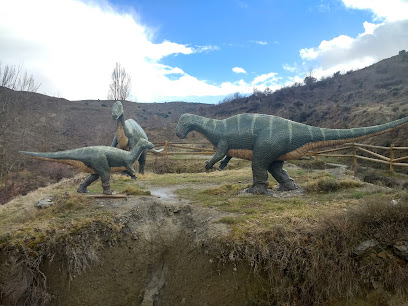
(391, 160)
(395, 154)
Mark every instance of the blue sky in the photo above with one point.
(195, 51)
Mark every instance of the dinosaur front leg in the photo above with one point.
(220, 152)
(131, 171)
(282, 176)
(88, 181)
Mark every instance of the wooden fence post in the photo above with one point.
(392, 157)
(354, 155)
(166, 148)
(317, 154)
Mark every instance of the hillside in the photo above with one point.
(35, 122)
(369, 96)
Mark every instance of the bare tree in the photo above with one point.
(309, 79)
(120, 87)
(12, 77)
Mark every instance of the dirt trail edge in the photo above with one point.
(158, 258)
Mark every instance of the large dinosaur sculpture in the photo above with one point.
(270, 140)
(128, 133)
(98, 160)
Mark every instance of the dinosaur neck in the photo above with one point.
(135, 152)
(207, 127)
(120, 121)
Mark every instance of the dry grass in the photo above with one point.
(296, 258)
(132, 190)
(326, 185)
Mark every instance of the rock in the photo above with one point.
(401, 249)
(367, 246)
(44, 203)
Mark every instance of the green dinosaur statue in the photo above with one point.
(98, 160)
(270, 140)
(128, 133)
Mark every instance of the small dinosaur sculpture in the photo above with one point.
(98, 160)
(128, 133)
(269, 141)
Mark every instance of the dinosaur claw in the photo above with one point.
(82, 189)
(208, 166)
(107, 191)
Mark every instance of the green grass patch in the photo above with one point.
(134, 190)
(121, 184)
(213, 177)
(226, 189)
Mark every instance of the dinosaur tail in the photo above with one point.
(64, 157)
(339, 136)
(322, 137)
(49, 155)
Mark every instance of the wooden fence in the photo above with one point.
(395, 154)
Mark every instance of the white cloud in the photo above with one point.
(261, 42)
(378, 41)
(238, 70)
(269, 78)
(289, 68)
(71, 47)
(390, 10)
(200, 49)
(369, 27)
(340, 42)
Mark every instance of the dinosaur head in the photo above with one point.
(117, 110)
(184, 125)
(145, 144)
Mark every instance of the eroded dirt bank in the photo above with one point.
(158, 258)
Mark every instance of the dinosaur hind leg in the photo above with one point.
(260, 179)
(88, 181)
(282, 176)
(142, 161)
(105, 177)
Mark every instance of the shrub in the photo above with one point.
(327, 185)
(373, 177)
